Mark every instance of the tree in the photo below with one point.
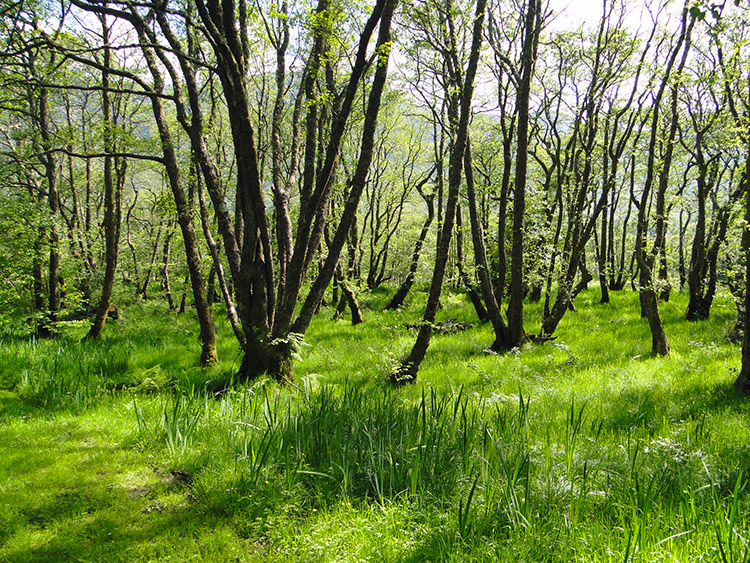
(608, 58)
(267, 309)
(114, 177)
(459, 113)
(511, 334)
(28, 69)
(648, 292)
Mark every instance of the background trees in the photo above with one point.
(609, 152)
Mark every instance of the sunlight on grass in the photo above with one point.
(584, 448)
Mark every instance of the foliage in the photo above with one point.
(584, 448)
(20, 219)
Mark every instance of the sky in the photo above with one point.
(570, 14)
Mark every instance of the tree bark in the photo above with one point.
(398, 298)
(516, 333)
(408, 369)
(112, 195)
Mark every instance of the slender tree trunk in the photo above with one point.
(349, 298)
(398, 298)
(129, 241)
(302, 322)
(183, 300)
(112, 198)
(147, 277)
(208, 354)
(165, 278)
(37, 286)
(474, 297)
(602, 261)
(696, 307)
(602, 250)
(516, 333)
(681, 250)
(491, 298)
(622, 271)
(648, 292)
(50, 168)
(218, 268)
(742, 383)
(409, 367)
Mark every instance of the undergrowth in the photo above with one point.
(585, 448)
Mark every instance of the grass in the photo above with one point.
(582, 449)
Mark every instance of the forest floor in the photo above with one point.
(585, 448)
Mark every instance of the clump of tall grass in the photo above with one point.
(583, 449)
(500, 468)
(59, 374)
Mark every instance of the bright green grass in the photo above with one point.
(585, 448)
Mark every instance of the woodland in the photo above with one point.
(417, 280)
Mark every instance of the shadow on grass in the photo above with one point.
(71, 494)
(692, 401)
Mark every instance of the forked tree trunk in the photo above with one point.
(398, 298)
(274, 355)
(408, 369)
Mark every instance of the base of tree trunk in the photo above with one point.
(742, 383)
(404, 374)
(209, 356)
(274, 360)
(697, 311)
(398, 298)
(46, 328)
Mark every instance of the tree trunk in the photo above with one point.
(165, 279)
(696, 306)
(147, 277)
(681, 250)
(208, 354)
(218, 268)
(491, 298)
(50, 168)
(349, 298)
(112, 196)
(409, 366)
(516, 333)
(601, 247)
(648, 293)
(476, 301)
(398, 298)
(742, 383)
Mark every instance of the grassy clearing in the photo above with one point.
(585, 448)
